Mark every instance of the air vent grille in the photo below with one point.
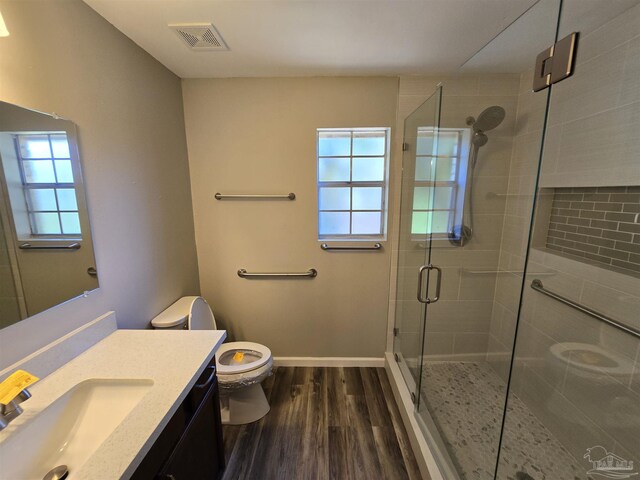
(199, 36)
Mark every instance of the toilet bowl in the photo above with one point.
(241, 366)
(586, 360)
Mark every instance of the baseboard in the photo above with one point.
(328, 362)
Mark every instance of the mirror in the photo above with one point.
(46, 249)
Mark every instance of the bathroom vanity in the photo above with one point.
(129, 404)
(190, 446)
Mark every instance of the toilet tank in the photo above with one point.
(191, 313)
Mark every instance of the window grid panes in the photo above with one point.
(47, 179)
(437, 181)
(352, 182)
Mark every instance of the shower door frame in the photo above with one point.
(410, 154)
(429, 430)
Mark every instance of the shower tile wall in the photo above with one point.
(593, 140)
(459, 327)
(593, 120)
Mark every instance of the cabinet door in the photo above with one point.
(198, 454)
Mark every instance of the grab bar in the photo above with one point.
(536, 284)
(311, 273)
(288, 196)
(28, 246)
(375, 246)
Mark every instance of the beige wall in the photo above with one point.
(259, 136)
(63, 57)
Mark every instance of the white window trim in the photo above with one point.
(384, 184)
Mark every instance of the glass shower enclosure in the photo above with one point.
(517, 312)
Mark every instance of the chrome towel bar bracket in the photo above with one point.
(375, 246)
(288, 196)
(311, 273)
(537, 285)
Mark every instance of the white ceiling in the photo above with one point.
(315, 37)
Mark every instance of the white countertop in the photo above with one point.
(173, 359)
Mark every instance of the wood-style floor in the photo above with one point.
(324, 423)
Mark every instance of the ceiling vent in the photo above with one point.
(199, 36)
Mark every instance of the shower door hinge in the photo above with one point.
(555, 63)
(405, 146)
(396, 331)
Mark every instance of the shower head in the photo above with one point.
(489, 119)
(479, 139)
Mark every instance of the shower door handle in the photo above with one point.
(438, 283)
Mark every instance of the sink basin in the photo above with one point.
(71, 429)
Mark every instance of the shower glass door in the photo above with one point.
(573, 410)
(418, 171)
(488, 153)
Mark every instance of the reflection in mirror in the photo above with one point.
(46, 250)
(441, 158)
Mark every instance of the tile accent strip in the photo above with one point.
(601, 224)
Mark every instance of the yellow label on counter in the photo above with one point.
(11, 387)
(238, 356)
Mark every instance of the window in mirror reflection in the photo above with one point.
(47, 179)
(440, 180)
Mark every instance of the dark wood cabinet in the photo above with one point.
(190, 446)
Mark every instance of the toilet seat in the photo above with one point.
(242, 399)
(228, 350)
(603, 361)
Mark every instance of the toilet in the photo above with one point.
(241, 366)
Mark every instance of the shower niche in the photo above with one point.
(599, 226)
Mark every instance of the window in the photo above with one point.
(352, 183)
(440, 180)
(47, 179)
